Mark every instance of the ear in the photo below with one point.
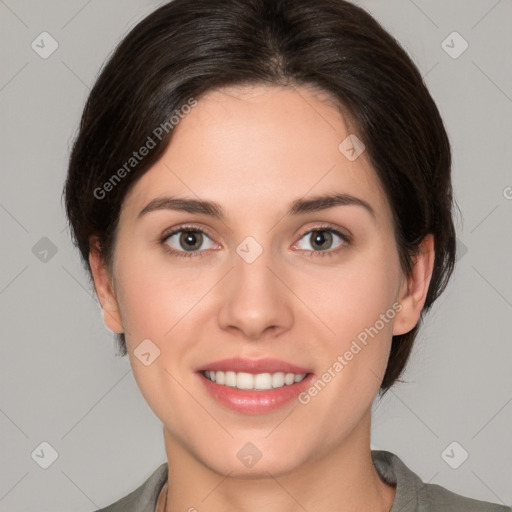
(414, 288)
(104, 288)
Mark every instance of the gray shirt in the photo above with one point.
(412, 495)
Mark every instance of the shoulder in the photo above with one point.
(414, 495)
(144, 498)
(439, 498)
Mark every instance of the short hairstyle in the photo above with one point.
(189, 47)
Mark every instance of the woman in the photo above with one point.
(261, 193)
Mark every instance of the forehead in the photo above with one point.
(259, 147)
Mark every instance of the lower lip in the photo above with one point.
(255, 402)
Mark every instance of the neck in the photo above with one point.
(344, 479)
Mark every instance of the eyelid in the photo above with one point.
(184, 227)
(344, 234)
(317, 227)
(346, 240)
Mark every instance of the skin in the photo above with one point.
(254, 150)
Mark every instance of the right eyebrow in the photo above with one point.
(186, 205)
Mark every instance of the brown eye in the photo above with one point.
(321, 240)
(183, 241)
(191, 240)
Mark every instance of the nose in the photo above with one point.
(255, 302)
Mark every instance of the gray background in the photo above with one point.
(61, 382)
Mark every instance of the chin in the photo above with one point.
(246, 461)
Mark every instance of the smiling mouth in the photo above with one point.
(253, 382)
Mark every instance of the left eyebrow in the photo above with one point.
(297, 207)
(318, 203)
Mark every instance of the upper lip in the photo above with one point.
(255, 366)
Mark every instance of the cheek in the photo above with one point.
(154, 298)
(351, 299)
(158, 303)
(161, 302)
(359, 304)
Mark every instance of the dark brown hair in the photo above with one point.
(188, 47)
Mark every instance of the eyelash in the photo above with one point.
(192, 254)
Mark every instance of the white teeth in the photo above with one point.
(230, 379)
(263, 381)
(249, 381)
(278, 380)
(289, 379)
(244, 381)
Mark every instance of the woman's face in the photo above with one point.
(275, 284)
